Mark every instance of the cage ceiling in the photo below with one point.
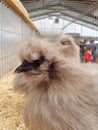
(84, 12)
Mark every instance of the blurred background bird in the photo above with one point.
(60, 94)
(69, 48)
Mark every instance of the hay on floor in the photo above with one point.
(11, 105)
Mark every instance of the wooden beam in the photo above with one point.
(17, 9)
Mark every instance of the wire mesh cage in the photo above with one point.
(13, 32)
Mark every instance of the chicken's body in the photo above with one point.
(61, 95)
(90, 68)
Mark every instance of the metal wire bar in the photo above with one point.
(81, 15)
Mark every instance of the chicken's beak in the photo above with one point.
(22, 68)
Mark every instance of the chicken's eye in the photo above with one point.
(36, 64)
(65, 42)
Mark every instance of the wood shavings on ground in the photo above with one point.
(11, 105)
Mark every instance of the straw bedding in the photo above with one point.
(11, 105)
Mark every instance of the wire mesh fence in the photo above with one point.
(13, 32)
